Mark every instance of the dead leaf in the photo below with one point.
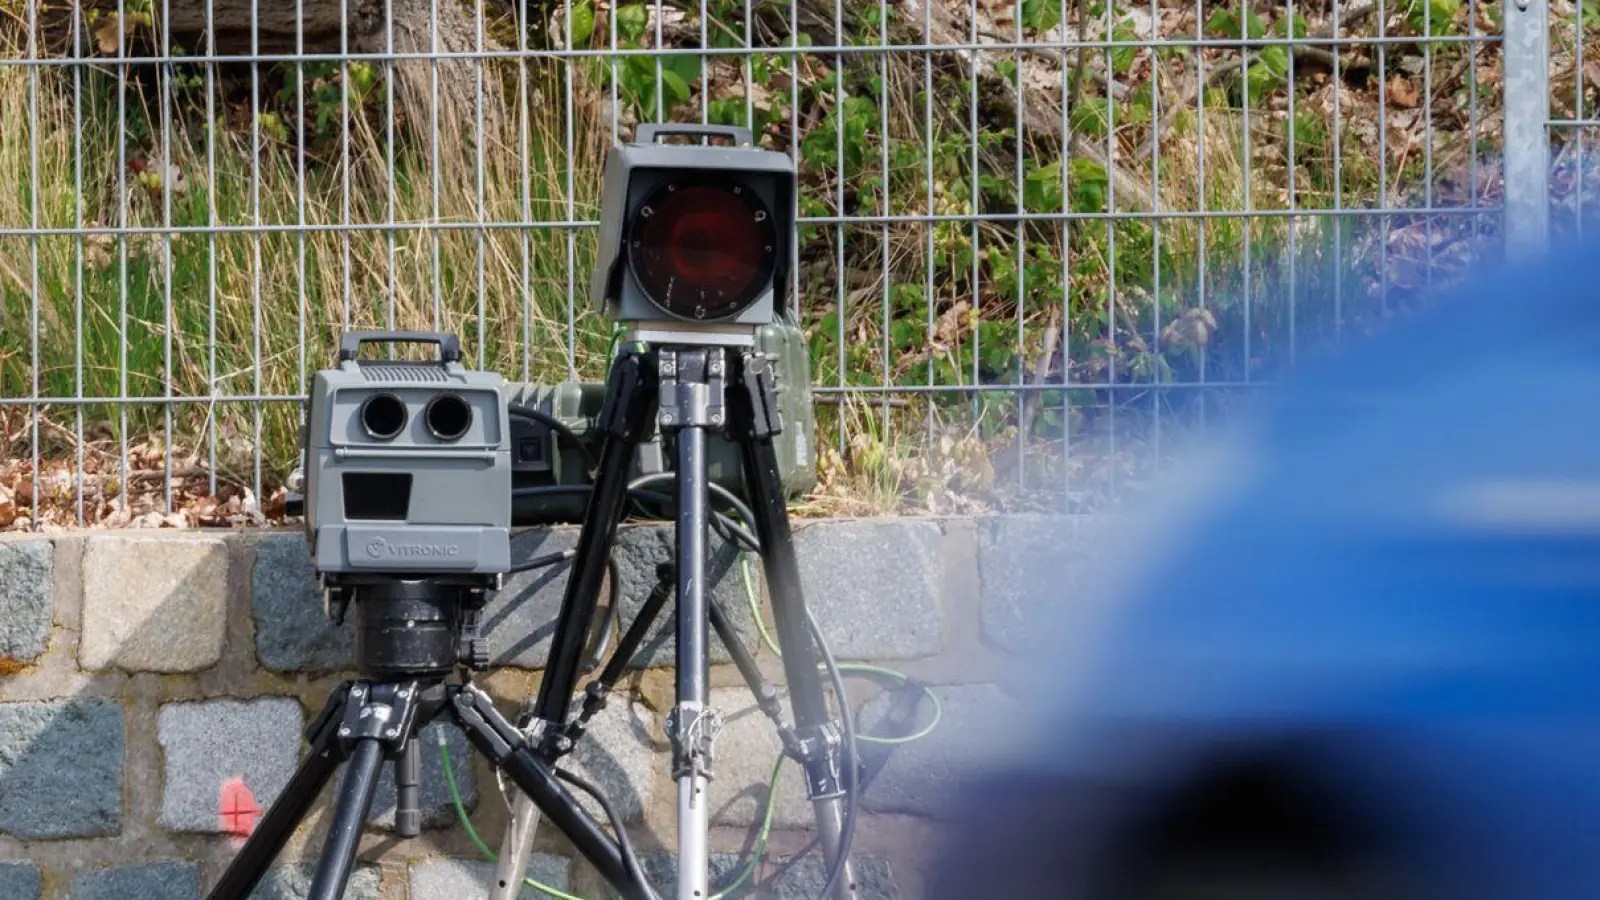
(97, 250)
(950, 325)
(1402, 92)
(8, 507)
(105, 37)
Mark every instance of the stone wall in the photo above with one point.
(154, 685)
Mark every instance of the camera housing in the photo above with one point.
(694, 239)
(407, 465)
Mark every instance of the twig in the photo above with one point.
(1116, 89)
(837, 400)
(1041, 370)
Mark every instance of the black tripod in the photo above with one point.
(412, 633)
(689, 390)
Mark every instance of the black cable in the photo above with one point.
(728, 497)
(629, 858)
(740, 534)
(613, 592)
(539, 562)
(556, 425)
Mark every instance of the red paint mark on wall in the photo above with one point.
(240, 812)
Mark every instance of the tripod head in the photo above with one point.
(420, 628)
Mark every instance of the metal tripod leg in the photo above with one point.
(349, 817)
(752, 405)
(692, 400)
(362, 722)
(630, 397)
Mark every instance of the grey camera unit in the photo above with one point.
(694, 239)
(407, 465)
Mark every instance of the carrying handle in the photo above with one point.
(648, 132)
(449, 344)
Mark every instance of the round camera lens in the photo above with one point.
(703, 251)
(383, 416)
(448, 417)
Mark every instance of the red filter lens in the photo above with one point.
(702, 251)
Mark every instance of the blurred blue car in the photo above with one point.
(1369, 667)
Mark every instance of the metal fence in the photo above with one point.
(1043, 242)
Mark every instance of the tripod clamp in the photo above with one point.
(693, 732)
(383, 712)
(693, 387)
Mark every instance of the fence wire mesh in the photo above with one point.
(1042, 242)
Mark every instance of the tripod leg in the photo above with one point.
(630, 397)
(280, 821)
(766, 694)
(753, 407)
(349, 818)
(596, 692)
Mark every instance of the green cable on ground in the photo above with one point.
(761, 837)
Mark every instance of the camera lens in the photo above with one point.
(448, 417)
(383, 416)
(703, 249)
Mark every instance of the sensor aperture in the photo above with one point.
(383, 416)
(448, 417)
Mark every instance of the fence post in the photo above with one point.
(1525, 57)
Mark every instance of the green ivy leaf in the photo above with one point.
(582, 23)
(727, 111)
(1292, 26)
(687, 68)
(1041, 191)
(1259, 80)
(632, 21)
(1091, 117)
(1276, 60)
(1089, 184)
(1224, 23)
(1122, 57)
(1041, 15)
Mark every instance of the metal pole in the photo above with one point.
(694, 817)
(1526, 61)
